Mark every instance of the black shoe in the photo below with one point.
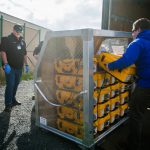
(15, 103)
(7, 109)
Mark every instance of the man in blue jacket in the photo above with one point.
(138, 53)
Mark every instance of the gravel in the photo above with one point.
(18, 130)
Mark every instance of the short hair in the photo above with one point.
(142, 23)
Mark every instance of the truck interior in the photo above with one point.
(120, 14)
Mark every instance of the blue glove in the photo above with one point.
(7, 68)
(26, 68)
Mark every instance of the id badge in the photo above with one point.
(19, 47)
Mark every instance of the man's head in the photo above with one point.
(17, 30)
(140, 25)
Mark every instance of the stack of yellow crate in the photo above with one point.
(102, 93)
(111, 94)
(69, 82)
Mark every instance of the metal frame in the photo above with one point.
(105, 14)
(88, 84)
(24, 30)
(1, 27)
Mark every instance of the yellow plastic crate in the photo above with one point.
(114, 102)
(123, 109)
(115, 89)
(69, 82)
(101, 123)
(71, 128)
(114, 115)
(71, 114)
(101, 95)
(124, 75)
(69, 98)
(123, 87)
(101, 79)
(69, 66)
(124, 97)
(103, 109)
(113, 80)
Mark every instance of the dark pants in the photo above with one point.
(139, 133)
(12, 82)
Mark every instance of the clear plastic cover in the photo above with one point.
(59, 83)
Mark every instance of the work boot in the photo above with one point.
(7, 108)
(15, 103)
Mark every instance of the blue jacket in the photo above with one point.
(138, 53)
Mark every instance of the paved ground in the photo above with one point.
(18, 130)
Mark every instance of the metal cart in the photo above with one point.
(73, 48)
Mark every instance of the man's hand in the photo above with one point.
(7, 68)
(26, 68)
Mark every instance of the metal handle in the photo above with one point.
(53, 104)
(81, 93)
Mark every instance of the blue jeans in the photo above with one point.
(12, 82)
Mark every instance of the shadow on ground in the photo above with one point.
(40, 139)
(4, 126)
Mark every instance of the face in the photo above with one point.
(135, 33)
(17, 34)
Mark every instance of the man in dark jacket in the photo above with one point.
(14, 55)
(38, 49)
(138, 53)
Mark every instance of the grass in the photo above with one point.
(25, 76)
(2, 77)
